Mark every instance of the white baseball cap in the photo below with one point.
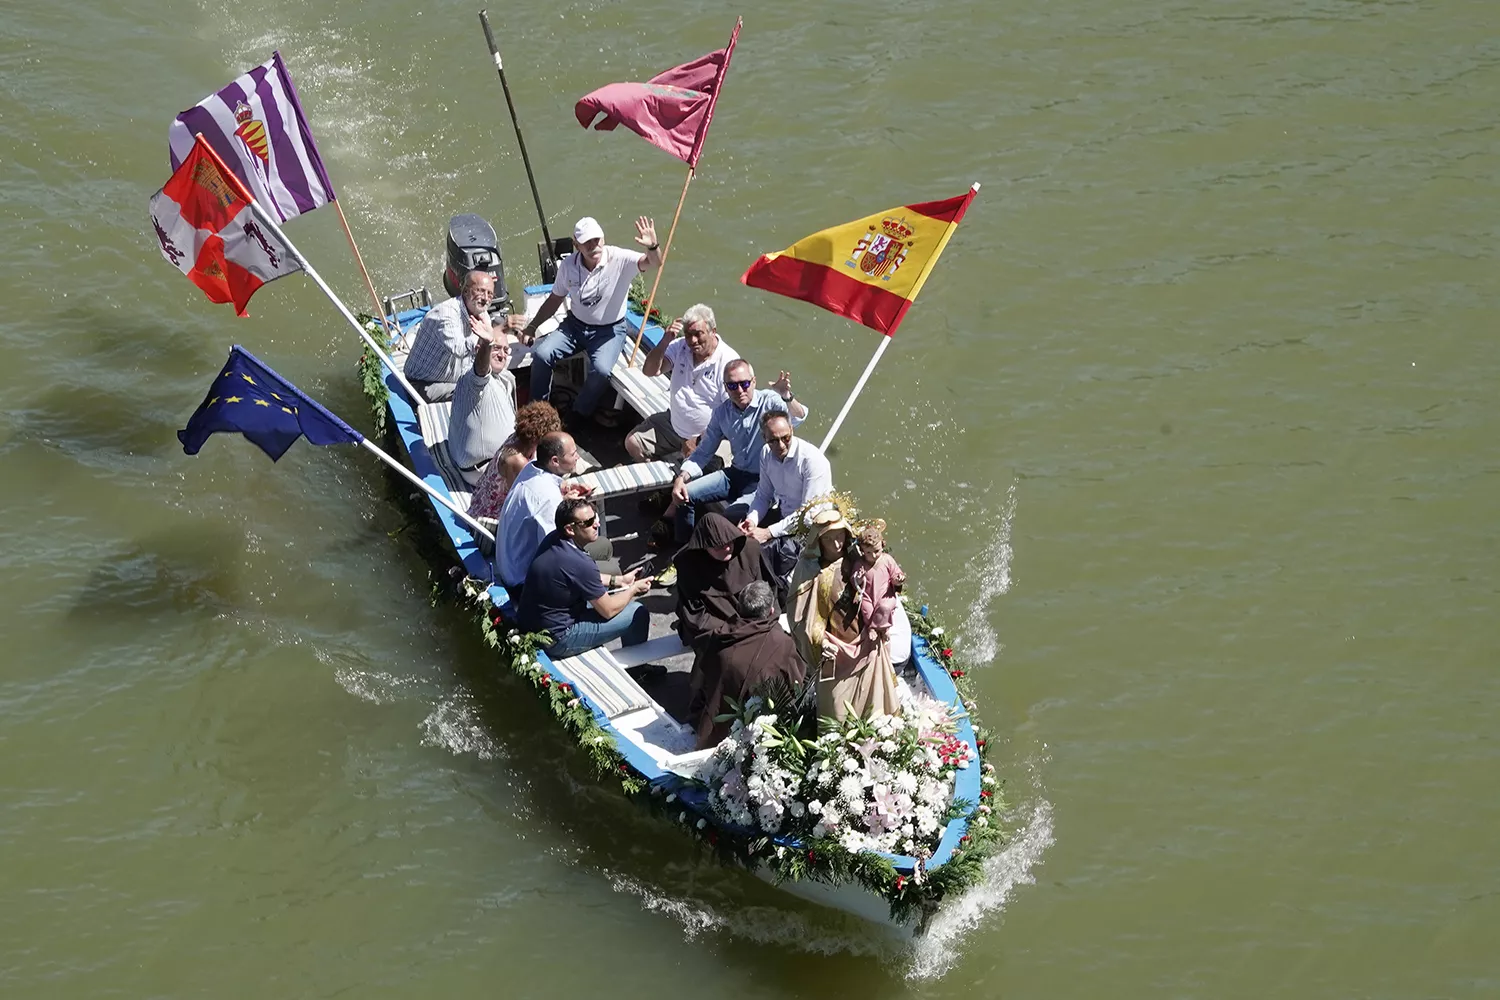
(588, 228)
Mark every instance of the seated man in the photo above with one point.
(596, 279)
(697, 365)
(754, 655)
(527, 515)
(568, 597)
(738, 421)
(484, 406)
(792, 472)
(443, 347)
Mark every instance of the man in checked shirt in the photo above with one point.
(443, 348)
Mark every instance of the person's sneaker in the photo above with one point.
(667, 577)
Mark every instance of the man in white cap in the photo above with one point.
(596, 280)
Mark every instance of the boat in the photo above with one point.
(625, 720)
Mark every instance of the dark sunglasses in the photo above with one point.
(744, 384)
(587, 524)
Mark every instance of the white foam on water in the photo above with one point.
(454, 725)
(941, 947)
(374, 686)
(979, 643)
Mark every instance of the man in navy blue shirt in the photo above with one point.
(568, 597)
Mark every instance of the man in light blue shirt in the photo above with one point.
(736, 420)
(530, 509)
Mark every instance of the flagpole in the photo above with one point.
(666, 248)
(489, 36)
(463, 515)
(859, 386)
(360, 260)
(291, 248)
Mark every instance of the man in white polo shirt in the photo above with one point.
(697, 365)
(595, 280)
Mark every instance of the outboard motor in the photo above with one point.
(473, 246)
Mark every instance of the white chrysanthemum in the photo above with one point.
(906, 782)
(887, 746)
(850, 765)
(832, 817)
(815, 807)
(909, 846)
(852, 789)
(852, 841)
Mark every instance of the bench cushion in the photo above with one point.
(596, 673)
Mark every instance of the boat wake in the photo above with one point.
(768, 925)
(980, 644)
(830, 933)
(454, 724)
(942, 946)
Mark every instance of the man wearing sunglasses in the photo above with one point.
(567, 596)
(696, 363)
(738, 421)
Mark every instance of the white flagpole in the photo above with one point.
(291, 248)
(885, 341)
(463, 515)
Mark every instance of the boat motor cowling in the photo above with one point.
(473, 246)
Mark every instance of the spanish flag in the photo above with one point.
(868, 270)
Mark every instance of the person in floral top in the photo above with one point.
(533, 421)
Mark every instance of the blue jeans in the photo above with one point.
(721, 485)
(602, 344)
(632, 625)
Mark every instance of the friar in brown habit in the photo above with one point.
(753, 655)
(715, 565)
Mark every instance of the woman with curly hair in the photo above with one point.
(533, 421)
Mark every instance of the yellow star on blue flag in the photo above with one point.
(240, 401)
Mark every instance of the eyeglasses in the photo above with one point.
(737, 386)
(587, 524)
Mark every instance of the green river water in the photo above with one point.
(1192, 437)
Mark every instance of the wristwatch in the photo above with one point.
(789, 397)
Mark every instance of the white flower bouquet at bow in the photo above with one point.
(878, 784)
(755, 775)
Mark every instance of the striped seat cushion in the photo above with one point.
(433, 418)
(623, 479)
(604, 682)
(646, 394)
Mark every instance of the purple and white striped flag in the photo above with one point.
(257, 127)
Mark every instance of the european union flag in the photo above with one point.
(250, 399)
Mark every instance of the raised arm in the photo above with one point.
(653, 364)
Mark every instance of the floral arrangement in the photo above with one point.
(879, 784)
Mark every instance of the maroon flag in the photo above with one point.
(672, 110)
